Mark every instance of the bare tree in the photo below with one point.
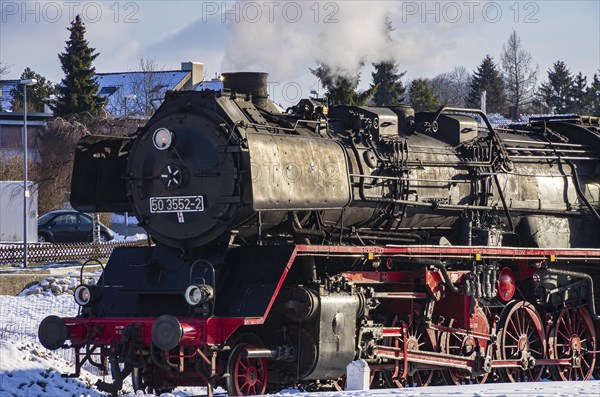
(145, 85)
(4, 68)
(519, 73)
(452, 87)
(57, 149)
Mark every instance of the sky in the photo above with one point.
(286, 38)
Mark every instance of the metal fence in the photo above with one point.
(19, 321)
(12, 254)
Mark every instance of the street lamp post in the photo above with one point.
(25, 83)
(132, 96)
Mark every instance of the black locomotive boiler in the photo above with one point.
(432, 245)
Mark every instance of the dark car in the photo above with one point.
(69, 226)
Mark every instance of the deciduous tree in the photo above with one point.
(452, 87)
(4, 69)
(520, 75)
(145, 85)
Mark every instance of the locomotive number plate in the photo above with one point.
(176, 204)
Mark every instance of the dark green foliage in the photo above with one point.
(386, 77)
(488, 78)
(36, 94)
(594, 96)
(581, 98)
(340, 88)
(558, 91)
(422, 97)
(78, 90)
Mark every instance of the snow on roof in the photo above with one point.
(117, 86)
(168, 78)
(209, 85)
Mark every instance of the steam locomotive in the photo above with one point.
(432, 246)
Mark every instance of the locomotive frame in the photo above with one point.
(469, 346)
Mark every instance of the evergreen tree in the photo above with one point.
(519, 74)
(78, 91)
(581, 97)
(487, 78)
(422, 97)
(594, 96)
(340, 88)
(386, 77)
(558, 91)
(36, 94)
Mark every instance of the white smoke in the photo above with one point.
(289, 37)
(342, 35)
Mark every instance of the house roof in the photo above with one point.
(116, 86)
(167, 79)
(210, 85)
(16, 118)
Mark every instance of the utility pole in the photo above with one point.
(26, 192)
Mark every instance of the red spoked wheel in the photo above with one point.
(521, 337)
(247, 376)
(466, 346)
(573, 337)
(417, 339)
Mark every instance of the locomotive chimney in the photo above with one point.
(253, 83)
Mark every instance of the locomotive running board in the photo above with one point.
(453, 252)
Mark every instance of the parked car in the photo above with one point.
(66, 226)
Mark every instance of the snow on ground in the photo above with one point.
(117, 224)
(120, 219)
(533, 389)
(28, 369)
(135, 237)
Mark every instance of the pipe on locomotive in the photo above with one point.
(441, 267)
(580, 191)
(590, 282)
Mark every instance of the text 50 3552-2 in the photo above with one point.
(176, 204)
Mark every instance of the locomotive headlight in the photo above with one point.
(198, 294)
(163, 139)
(86, 294)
